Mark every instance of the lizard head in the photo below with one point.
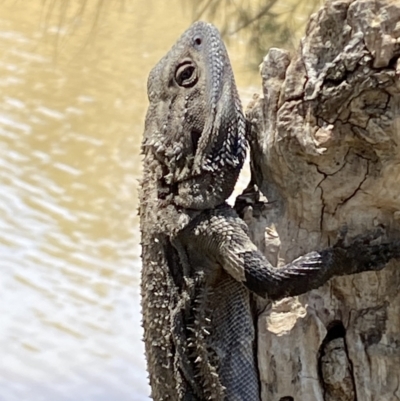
(195, 127)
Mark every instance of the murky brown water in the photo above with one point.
(72, 106)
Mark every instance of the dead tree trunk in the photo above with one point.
(326, 154)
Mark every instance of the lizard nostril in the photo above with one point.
(197, 41)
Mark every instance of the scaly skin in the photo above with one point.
(194, 147)
(199, 265)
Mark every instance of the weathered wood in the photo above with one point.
(325, 152)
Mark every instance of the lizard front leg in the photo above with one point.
(222, 235)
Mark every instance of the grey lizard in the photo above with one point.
(200, 268)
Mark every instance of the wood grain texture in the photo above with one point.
(325, 152)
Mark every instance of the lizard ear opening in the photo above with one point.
(195, 136)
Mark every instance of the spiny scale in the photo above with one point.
(181, 174)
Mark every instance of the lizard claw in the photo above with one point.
(341, 236)
(311, 261)
(371, 236)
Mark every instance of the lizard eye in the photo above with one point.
(185, 74)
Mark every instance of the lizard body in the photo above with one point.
(200, 268)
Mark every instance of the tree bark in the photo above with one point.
(325, 153)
